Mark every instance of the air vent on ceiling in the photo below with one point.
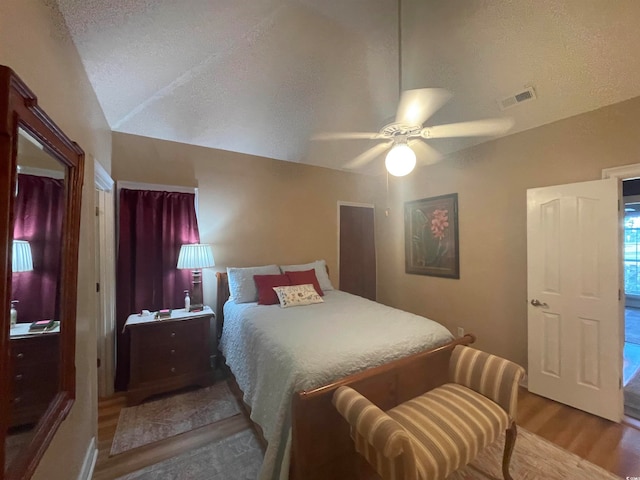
(525, 95)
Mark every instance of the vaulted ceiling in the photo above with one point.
(261, 76)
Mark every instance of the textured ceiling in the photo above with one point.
(260, 76)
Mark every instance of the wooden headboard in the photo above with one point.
(223, 296)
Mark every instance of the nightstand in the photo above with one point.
(171, 353)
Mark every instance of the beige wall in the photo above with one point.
(35, 44)
(490, 298)
(253, 210)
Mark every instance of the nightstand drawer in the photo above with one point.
(154, 370)
(39, 350)
(166, 352)
(171, 333)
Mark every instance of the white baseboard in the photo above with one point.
(89, 461)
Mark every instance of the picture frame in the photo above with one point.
(431, 236)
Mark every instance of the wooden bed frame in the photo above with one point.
(321, 446)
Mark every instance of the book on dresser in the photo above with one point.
(41, 325)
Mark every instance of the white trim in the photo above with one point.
(101, 177)
(355, 204)
(105, 266)
(41, 172)
(625, 172)
(105, 259)
(89, 463)
(359, 205)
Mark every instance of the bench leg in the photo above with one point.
(509, 443)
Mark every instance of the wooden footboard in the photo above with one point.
(322, 448)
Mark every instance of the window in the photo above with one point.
(632, 249)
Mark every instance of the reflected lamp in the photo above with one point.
(21, 258)
(195, 257)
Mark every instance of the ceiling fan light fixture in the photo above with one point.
(401, 160)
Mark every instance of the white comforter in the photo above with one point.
(274, 352)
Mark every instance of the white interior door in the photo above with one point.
(575, 313)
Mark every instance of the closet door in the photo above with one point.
(357, 251)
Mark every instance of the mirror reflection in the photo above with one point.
(35, 290)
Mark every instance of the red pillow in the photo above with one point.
(265, 284)
(305, 277)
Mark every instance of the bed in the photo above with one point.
(288, 361)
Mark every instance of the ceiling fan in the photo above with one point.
(405, 137)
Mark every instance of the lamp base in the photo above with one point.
(196, 291)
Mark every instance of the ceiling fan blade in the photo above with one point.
(417, 105)
(368, 155)
(478, 128)
(346, 136)
(425, 153)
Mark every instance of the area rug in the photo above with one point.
(239, 458)
(632, 397)
(533, 458)
(160, 419)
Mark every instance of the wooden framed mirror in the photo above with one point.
(41, 173)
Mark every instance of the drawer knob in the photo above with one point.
(173, 369)
(19, 377)
(20, 355)
(17, 400)
(173, 352)
(173, 334)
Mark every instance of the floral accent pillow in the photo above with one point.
(297, 295)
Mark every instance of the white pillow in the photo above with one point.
(297, 295)
(320, 267)
(242, 287)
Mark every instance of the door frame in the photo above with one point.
(632, 301)
(106, 279)
(625, 172)
(360, 205)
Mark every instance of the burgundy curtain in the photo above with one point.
(153, 225)
(39, 208)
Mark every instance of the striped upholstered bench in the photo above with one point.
(431, 436)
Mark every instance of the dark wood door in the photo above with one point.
(357, 251)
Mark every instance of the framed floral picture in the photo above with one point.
(431, 236)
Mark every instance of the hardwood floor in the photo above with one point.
(615, 447)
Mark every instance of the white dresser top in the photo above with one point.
(176, 314)
(22, 330)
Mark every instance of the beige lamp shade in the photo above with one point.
(21, 259)
(195, 256)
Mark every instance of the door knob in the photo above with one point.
(538, 303)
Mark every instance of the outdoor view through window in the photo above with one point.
(632, 249)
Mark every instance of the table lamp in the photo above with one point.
(195, 257)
